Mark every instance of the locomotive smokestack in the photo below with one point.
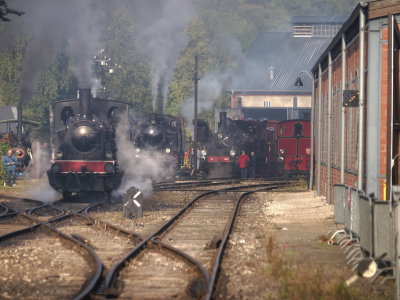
(85, 102)
(19, 126)
(222, 121)
(160, 99)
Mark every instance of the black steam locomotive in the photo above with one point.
(221, 150)
(160, 133)
(84, 146)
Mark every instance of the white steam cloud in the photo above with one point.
(213, 84)
(40, 163)
(161, 36)
(138, 171)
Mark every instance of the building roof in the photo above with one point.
(8, 113)
(287, 55)
(318, 20)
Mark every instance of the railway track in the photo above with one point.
(40, 262)
(178, 260)
(177, 186)
(18, 204)
(181, 259)
(17, 213)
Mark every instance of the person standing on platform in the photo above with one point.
(9, 163)
(252, 165)
(242, 162)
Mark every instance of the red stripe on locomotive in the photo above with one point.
(77, 166)
(218, 159)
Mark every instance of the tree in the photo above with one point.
(130, 79)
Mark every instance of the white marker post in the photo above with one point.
(132, 203)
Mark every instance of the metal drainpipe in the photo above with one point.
(361, 103)
(343, 113)
(319, 130)
(329, 129)
(310, 184)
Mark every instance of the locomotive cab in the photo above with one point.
(292, 142)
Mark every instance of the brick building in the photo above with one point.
(356, 103)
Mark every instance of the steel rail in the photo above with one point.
(101, 224)
(33, 210)
(176, 185)
(112, 275)
(72, 243)
(6, 210)
(111, 278)
(221, 249)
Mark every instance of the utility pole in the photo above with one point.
(196, 79)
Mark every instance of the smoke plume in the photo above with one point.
(56, 25)
(140, 168)
(161, 38)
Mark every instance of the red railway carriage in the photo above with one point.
(288, 148)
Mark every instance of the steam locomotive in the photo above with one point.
(84, 146)
(221, 150)
(162, 134)
(280, 147)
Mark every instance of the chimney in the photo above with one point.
(85, 102)
(271, 73)
(222, 122)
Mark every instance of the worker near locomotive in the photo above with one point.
(9, 162)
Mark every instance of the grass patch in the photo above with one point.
(306, 281)
(260, 236)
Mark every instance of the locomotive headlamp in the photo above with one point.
(168, 150)
(109, 154)
(83, 130)
(59, 154)
(203, 152)
(280, 159)
(232, 153)
(137, 150)
(219, 135)
(282, 151)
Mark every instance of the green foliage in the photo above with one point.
(55, 83)
(131, 78)
(11, 63)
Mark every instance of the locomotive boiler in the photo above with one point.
(160, 134)
(83, 144)
(220, 152)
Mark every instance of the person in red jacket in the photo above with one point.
(242, 162)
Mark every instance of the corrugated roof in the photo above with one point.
(287, 55)
(318, 20)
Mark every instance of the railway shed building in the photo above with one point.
(356, 107)
(265, 85)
